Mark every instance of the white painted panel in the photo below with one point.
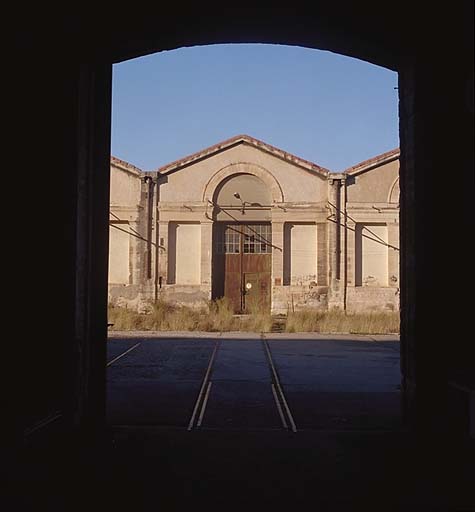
(303, 258)
(119, 254)
(375, 255)
(188, 253)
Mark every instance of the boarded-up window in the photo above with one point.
(371, 255)
(119, 254)
(300, 253)
(184, 257)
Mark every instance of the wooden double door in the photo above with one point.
(242, 264)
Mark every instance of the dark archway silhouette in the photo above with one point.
(63, 123)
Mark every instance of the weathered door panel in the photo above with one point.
(256, 263)
(257, 272)
(251, 291)
(233, 281)
(237, 266)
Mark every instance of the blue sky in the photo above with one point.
(327, 108)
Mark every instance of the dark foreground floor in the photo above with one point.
(349, 453)
(163, 469)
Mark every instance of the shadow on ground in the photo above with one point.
(146, 468)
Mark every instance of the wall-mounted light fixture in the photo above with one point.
(243, 203)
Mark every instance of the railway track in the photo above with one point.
(229, 383)
(199, 410)
(123, 354)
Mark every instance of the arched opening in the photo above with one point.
(225, 202)
(436, 374)
(242, 242)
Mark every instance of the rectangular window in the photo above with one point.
(253, 238)
(231, 240)
(257, 239)
(228, 239)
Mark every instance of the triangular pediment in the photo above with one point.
(235, 141)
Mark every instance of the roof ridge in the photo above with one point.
(372, 160)
(125, 164)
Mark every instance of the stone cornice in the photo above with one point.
(122, 208)
(372, 206)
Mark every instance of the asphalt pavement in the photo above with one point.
(315, 381)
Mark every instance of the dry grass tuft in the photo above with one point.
(219, 317)
(169, 317)
(258, 318)
(336, 321)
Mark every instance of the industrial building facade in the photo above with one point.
(247, 221)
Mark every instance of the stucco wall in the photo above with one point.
(361, 298)
(297, 298)
(298, 185)
(124, 188)
(373, 185)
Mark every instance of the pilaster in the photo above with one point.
(163, 227)
(277, 253)
(206, 252)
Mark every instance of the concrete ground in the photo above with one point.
(328, 382)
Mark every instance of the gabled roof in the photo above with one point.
(366, 165)
(122, 164)
(235, 141)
